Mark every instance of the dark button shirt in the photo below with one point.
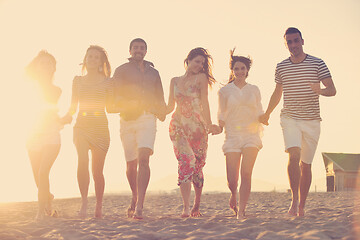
(144, 87)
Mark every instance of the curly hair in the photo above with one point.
(207, 69)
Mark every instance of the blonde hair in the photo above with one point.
(105, 67)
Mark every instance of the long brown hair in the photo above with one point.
(31, 69)
(207, 69)
(105, 67)
(233, 59)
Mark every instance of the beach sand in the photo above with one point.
(328, 216)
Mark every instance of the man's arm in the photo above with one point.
(274, 101)
(329, 89)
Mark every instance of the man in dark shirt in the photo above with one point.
(140, 98)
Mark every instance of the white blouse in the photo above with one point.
(240, 109)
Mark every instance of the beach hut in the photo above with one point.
(341, 171)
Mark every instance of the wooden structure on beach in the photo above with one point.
(342, 171)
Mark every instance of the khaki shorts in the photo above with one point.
(303, 134)
(139, 133)
(237, 143)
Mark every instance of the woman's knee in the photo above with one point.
(232, 184)
(97, 175)
(246, 176)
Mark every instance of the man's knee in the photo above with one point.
(305, 167)
(294, 155)
(144, 163)
(132, 165)
(144, 156)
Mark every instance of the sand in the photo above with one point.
(328, 216)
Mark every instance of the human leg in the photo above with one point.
(305, 182)
(232, 173)
(195, 211)
(35, 161)
(198, 183)
(131, 174)
(294, 178)
(83, 175)
(185, 190)
(293, 143)
(247, 165)
(98, 160)
(311, 134)
(49, 155)
(143, 178)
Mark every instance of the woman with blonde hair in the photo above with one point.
(239, 109)
(190, 125)
(92, 94)
(43, 144)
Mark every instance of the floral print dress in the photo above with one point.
(188, 134)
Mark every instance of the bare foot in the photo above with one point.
(293, 209)
(98, 210)
(130, 211)
(138, 214)
(185, 213)
(232, 203)
(48, 206)
(40, 215)
(195, 211)
(83, 209)
(54, 214)
(241, 215)
(301, 212)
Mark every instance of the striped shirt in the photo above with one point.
(93, 99)
(300, 101)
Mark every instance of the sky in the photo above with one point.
(330, 28)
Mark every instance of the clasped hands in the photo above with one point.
(214, 129)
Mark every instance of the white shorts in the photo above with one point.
(139, 133)
(303, 134)
(236, 143)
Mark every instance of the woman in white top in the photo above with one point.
(239, 109)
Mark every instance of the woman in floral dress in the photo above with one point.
(191, 124)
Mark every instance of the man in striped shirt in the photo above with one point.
(298, 78)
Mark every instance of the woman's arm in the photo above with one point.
(221, 111)
(204, 98)
(171, 103)
(74, 102)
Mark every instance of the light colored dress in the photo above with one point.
(240, 110)
(188, 134)
(91, 123)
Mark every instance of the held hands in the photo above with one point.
(264, 119)
(214, 129)
(67, 119)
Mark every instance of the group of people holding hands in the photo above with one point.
(135, 91)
